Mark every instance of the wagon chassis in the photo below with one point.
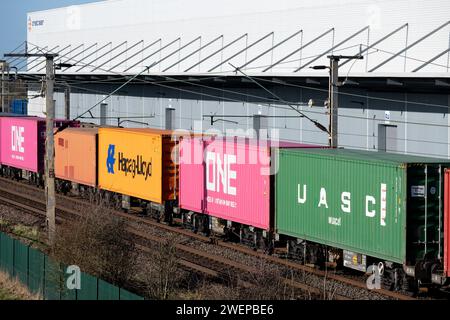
(195, 260)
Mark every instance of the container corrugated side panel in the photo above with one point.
(191, 175)
(29, 153)
(447, 223)
(328, 223)
(248, 202)
(76, 156)
(24, 153)
(171, 170)
(129, 144)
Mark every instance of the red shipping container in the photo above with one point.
(228, 179)
(447, 223)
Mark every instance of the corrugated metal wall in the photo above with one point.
(310, 193)
(135, 20)
(421, 129)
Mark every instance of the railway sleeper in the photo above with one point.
(424, 276)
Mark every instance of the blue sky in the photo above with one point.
(13, 23)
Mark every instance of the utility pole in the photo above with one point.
(3, 66)
(50, 149)
(67, 103)
(333, 95)
(334, 101)
(49, 142)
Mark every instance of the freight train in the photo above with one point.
(355, 209)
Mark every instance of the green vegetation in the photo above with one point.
(26, 232)
(20, 230)
(6, 295)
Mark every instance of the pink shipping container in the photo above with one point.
(22, 142)
(228, 179)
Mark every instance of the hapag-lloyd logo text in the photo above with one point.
(135, 166)
(370, 203)
(17, 142)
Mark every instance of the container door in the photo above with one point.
(447, 223)
(424, 212)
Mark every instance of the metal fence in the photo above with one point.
(48, 278)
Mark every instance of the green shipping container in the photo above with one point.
(361, 201)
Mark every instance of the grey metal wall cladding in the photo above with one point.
(360, 113)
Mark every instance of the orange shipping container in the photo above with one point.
(76, 155)
(138, 163)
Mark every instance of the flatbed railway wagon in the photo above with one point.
(22, 146)
(226, 186)
(363, 208)
(139, 166)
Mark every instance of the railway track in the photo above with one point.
(191, 258)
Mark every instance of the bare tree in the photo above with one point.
(98, 242)
(161, 271)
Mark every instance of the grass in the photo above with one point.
(25, 232)
(3, 223)
(12, 289)
(20, 230)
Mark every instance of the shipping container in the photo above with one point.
(138, 163)
(76, 155)
(23, 142)
(381, 205)
(447, 224)
(19, 106)
(228, 178)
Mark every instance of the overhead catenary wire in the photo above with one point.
(315, 122)
(262, 98)
(271, 105)
(306, 87)
(345, 133)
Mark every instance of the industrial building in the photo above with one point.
(218, 64)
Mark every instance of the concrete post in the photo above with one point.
(103, 113)
(49, 150)
(3, 67)
(260, 125)
(67, 103)
(170, 119)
